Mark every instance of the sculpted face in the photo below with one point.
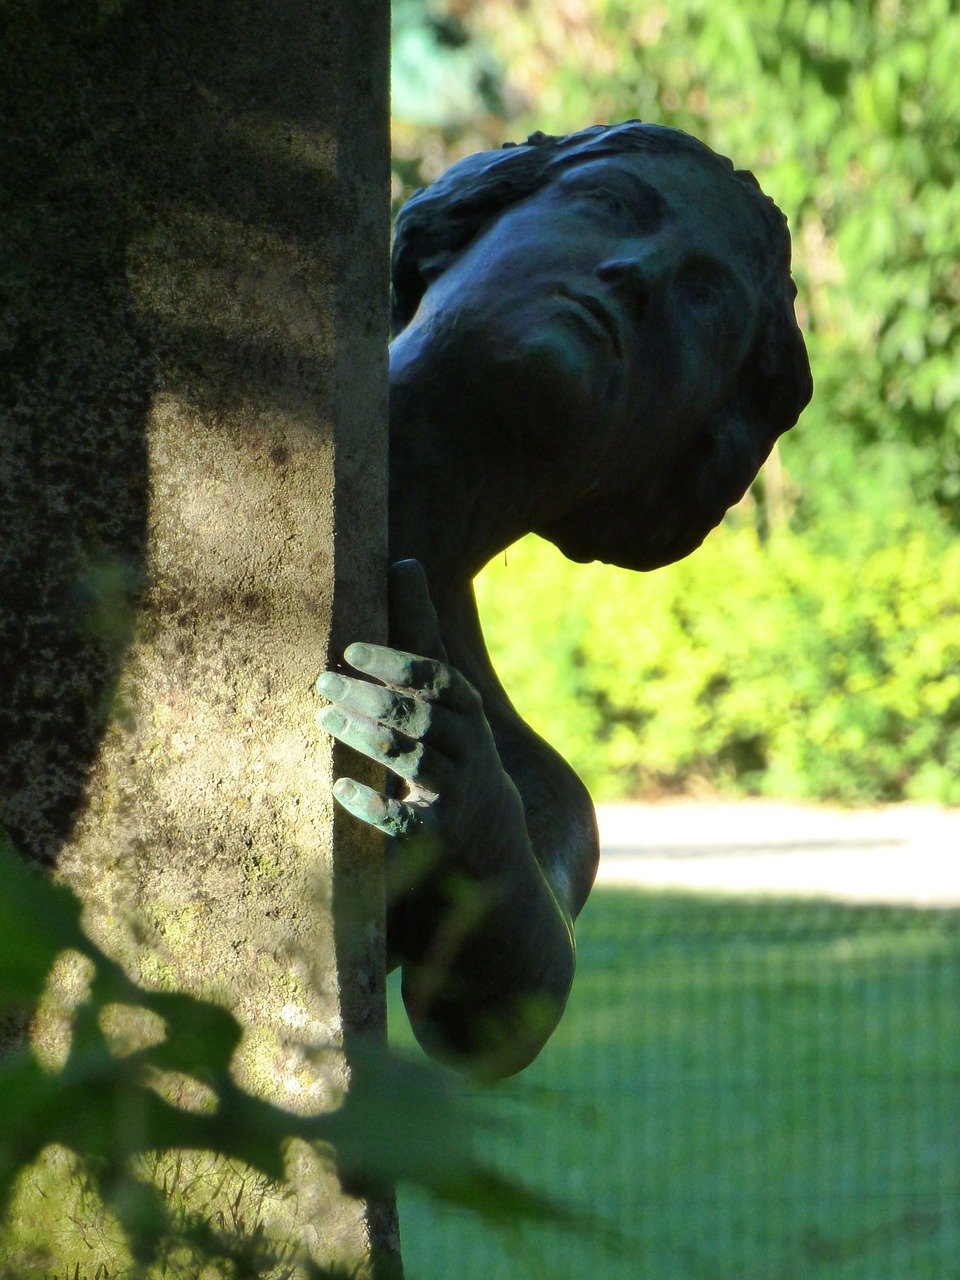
(596, 341)
(609, 314)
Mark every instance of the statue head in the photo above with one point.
(620, 305)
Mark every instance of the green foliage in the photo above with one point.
(113, 1110)
(439, 74)
(787, 669)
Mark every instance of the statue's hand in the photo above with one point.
(425, 722)
(485, 948)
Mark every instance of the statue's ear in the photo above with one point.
(732, 446)
(775, 384)
(411, 283)
(436, 264)
(771, 390)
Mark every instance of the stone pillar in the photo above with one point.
(193, 502)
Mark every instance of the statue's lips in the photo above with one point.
(601, 319)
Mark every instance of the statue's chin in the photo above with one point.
(614, 532)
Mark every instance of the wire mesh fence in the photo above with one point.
(740, 1087)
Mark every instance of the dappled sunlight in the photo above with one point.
(289, 314)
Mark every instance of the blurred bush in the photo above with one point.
(785, 669)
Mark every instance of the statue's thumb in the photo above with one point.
(414, 626)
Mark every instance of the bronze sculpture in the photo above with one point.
(595, 340)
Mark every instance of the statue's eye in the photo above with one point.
(611, 206)
(701, 284)
(436, 264)
(608, 200)
(603, 201)
(621, 193)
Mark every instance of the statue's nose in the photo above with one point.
(645, 266)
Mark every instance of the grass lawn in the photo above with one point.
(743, 1090)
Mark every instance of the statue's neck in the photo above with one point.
(559, 813)
(451, 505)
(462, 634)
(456, 501)
(464, 484)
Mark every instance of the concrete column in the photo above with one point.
(193, 505)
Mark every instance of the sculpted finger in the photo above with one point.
(392, 708)
(413, 619)
(430, 722)
(431, 679)
(415, 761)
(393, 817)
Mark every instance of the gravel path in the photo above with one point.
(902, 854)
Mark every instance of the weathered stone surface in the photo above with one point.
(192, 500)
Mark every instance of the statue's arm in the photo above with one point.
(484, 939)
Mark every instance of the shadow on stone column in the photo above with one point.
(193, 504)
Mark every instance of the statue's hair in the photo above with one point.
(438, 222)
